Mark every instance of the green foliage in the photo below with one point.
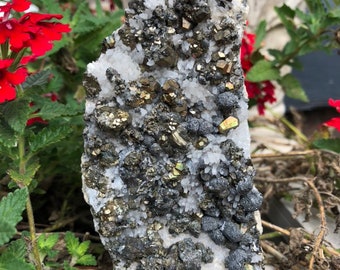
(24, 178)
(309, 31)
(11, 208)
(48, 136)
(13, 258)
(38, 79)
(293, 88)
(262, 71)
(16, 113)
(329, 144)
(260, 34)
(46, 244)
(7, 137)
(78, 250)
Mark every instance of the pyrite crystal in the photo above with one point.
(166, 166)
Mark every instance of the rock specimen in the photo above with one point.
(166, 165)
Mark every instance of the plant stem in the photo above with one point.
(33, 235)
(29, 209)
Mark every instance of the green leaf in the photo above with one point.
(286, 15)
(47, 241)
(329, 144)
(87, 259)
(119, 3)
(6, 231)
(290, 47)
(7, 136)
(82, 248)
(51, 110)
(26, 178)
(46, 244)
(72, 243)
(262, 71)
(56, 83)
(77, 250)
(260, 33)
(48, 136)
(99, 10)
(38, 79)
(11, 208)
(16, 114)
(11, 262)
(18, 248)
(293, 88)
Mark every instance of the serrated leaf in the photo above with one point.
(7, 136)
(56, 83)
(11, 208)
(81, 12)
(48, 136)
(16, 113)
(26, 178)
(328, 144)
(17, 248)
(260, 33)
(87, 260)
(82, 248)
(38, 79)
(72, 243)
(262, 71)
(293, 88)
(11, 262)
(6, 231)
(53, 110)
(47, 241)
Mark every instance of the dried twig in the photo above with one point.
(328, 250)
(323, 225)
(278, 255)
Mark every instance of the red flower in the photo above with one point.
(15, 32)
(41, 32)
(32, 30)
(334, 122)
(259, 92)
(17, 5)
(247, 48)
(8, 80)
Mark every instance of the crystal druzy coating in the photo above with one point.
(166, 165)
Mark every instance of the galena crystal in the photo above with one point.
(166, 166)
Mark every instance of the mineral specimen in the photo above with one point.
(166, 166)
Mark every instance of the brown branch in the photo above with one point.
(284, 155)
(269, 249)
(321, 235)
(328, 250)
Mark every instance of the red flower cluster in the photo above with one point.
(259, 92)
(32, 30)
(334, 122)
(8, 80)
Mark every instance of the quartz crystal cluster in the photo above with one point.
(166, 166)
